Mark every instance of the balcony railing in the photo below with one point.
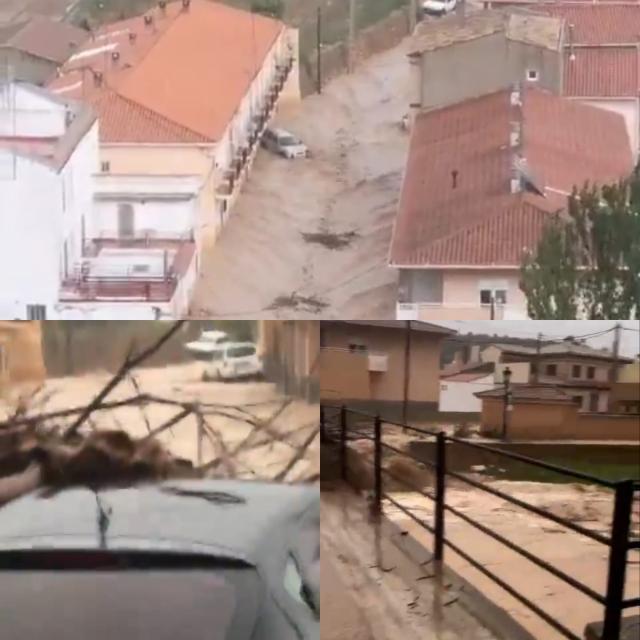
(125, 274)
(458, 311)
(258, 126)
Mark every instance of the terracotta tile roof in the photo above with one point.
(602, 72)
(606, 23)
(45, 38)
(543, 31)
(122, 120)
(190, 67)
(480, 222)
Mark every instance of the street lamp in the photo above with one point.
(506, 375)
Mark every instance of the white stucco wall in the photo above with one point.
(27, 112)
(458, 396)
(41, 209)
(166, 219)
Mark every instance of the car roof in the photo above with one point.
(173, 516)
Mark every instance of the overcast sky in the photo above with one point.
(629, 341)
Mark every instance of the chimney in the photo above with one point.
(148, 20)
(115, 56)
(516, 95)
(163, 6)
(186, 4)
(516, 134)
(454, 178)
(516, 181)
(97, 78)
(572, 55)
(132, 37)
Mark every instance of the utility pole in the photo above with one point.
(407, 372)
(319, 51)
(413, 15)
(616, 359)
(616, 352)
(352, 35)
(536, 377)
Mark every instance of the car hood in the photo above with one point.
(223, 519)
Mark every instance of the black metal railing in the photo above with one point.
(335, 426)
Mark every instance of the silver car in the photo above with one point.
(284, 144)
(187, 560)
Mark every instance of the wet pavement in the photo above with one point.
(372, 589)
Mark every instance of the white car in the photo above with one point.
(438, 7)
(232, 361)
(284, 143)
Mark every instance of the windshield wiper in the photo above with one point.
(217, 497)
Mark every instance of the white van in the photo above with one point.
(438, 7)
(233, 361)
(206, 344)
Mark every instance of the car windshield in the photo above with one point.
(288, 140)
(241, 352)
(156, 604)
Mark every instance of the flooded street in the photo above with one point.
(312, 236)
(375, 589)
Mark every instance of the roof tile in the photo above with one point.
(479, 221)
(191, 67)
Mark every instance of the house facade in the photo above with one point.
(381, 365)
(483, 178)
(584, 374)
(158, 122)
(458, 58)
(32, 50)
(76, 268)
(600, 53)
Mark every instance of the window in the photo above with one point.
(591, 373)
(493, 291)
(576, 371)
(357, 346)
(36, 312)
(105, 167)
(532, 75)
(551, 369)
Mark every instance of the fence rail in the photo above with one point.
(334, 423)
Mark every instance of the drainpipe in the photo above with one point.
(407, 371)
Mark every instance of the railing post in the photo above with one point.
(618, 560)
(343, 443)
(377, 465)
(441, 465)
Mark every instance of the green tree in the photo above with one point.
(587, 262)
(270, 8)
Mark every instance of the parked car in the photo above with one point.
(438, 7)
(215, 559)
(232, 361)
(284, 143)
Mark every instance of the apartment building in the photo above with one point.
(183, 94)
(55, 260)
